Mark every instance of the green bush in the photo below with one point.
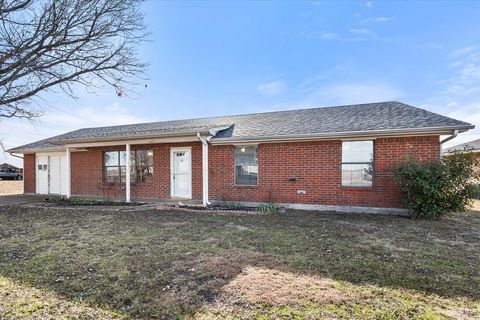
(91, 202)
(235, 205)
(268, 207)
(476, 191)
(434, 188)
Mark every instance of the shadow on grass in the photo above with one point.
(156, 265)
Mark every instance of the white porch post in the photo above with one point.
(204, 168)
(68, 178)
(205, 171)
(127, 180)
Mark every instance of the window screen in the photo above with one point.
(246, 165)
(357, 163)
(115, 166)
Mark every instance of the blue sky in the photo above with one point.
(216, 58)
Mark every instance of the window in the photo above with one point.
(141, 167)
(144, 166)
(246, 165)
(357, 163)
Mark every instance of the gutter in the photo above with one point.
(128, 137)
(453, 136)
(16, 156)
(345, 134)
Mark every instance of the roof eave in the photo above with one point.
(205, 131)
(35, 150)
(346, 134)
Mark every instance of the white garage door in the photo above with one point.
(51, 173)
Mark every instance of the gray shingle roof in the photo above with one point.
(475, 145)
(386, 116)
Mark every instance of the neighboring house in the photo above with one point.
(320, 158)
(11, 166)
(473, 146)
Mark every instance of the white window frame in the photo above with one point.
(235, 166)
(372, 163)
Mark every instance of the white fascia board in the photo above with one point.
(341, 135)
(133, 142)
(122, 139)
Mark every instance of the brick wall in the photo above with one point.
(87, 173)
(29, 173)
(316, 167)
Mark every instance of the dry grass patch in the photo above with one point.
(276, 288)
(297, 265)
(22, 302)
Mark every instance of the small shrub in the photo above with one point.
(268, 208)
(435, 188)
(91, 202)
(55, 198)
(76, 201)
(235, 205)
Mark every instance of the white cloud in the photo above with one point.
(360, 31)
(466, 71)
(273, 88)
(463, 51)
(322, 35)
(431, 45)
(328, 35)
(352, 93)
(377, 20)
(369, 4)
(353, 35)
(467, 114)
(382, 19)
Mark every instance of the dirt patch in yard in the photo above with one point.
(476, 205)
(276, 288)
(11, 187)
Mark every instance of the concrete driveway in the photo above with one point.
(8, 200)
(11, 187)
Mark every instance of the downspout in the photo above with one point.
(204, 168)
(453, 136)
(14, 155)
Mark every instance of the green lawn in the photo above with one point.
(64, 264)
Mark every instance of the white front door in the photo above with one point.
(41, 163)
(55, 175)
(181, 173)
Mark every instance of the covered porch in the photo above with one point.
(167, 168)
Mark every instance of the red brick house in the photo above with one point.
(320, 158)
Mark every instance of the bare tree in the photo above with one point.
(55, 45)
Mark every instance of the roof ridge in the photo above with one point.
(248, 114)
